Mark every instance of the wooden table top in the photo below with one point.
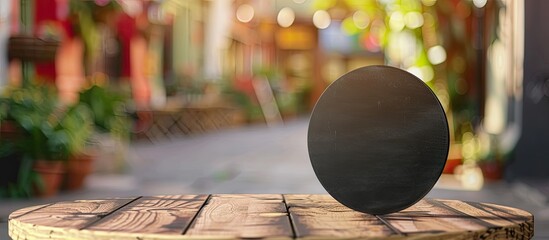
(263, 216)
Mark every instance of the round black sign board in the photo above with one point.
(378, 139)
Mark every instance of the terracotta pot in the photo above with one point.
(51, 173)
(492, 171)
(78, 168)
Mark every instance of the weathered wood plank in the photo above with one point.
(509, 213)
(153, 215)
(320, 216)
(264, 216)
(73, 214)
(25, 231)
(473, 212)
(504, 226)
(429, 216)
(242, 216)
(26, 210)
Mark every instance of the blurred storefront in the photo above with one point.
(133, 43)
(271, 60)
(469, 52)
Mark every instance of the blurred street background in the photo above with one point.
(253, 159)
(107, 98)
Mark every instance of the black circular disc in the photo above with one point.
(378, 139)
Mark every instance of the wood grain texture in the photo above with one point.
(157, 215)
(476, 213)
(243, 216)
(452, 219)
(56, 220)
(505, 226)
(26, 210)
(320, 216)
(427, 216)
(512, 214)
(73, 214)
(262, 217)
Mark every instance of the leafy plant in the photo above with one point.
(107, 110)
(46, 129)
(33, 109)
(78, 126)
(85, 14)
(50, 131)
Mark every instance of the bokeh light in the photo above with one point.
(425, 73)
(402, 48)
(361, 19)
(414, 20)
(371, 43)
(428, 3)
(480, 3)
(436, 54)
(245, 13)
(286, 17)
(428, 73)
(348, 26)
(471, 177)
(396, 21)
(416, 71)
(321, 19)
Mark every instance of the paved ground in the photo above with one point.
(253, 159)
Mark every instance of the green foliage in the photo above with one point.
(243, 100)
(45, 130)
(49, 131)
(107, 110)
(78, 126)
(31, 108)
(85, 16)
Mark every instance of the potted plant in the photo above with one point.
(86, 16)
(107, 109)
(64, 143)
(10, 160)
(77, 124)
(31, 111)
(111, 125)
(49, 134)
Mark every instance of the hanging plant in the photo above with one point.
(86, 15)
